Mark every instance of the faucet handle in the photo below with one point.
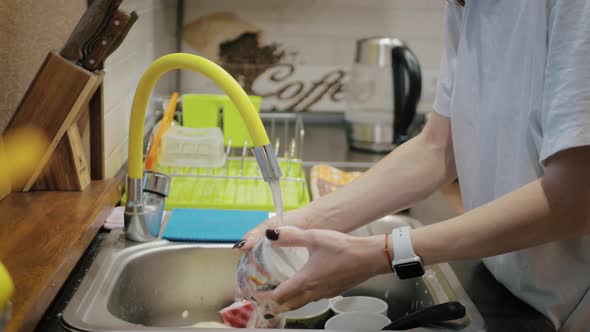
(156, 183)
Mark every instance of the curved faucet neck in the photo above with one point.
(200, 65)
(144, 208)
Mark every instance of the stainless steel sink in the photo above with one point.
(156, 287)
(166, 286)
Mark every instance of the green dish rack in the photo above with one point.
(233, 187)
(238, 184)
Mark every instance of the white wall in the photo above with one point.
(324, 31)
(152, 36)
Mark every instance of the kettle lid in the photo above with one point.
(376, 50)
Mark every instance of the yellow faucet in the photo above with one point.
(146, 192)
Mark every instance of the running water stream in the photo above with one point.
(277, 198)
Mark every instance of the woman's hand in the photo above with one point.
(336, 263)
(299, 218)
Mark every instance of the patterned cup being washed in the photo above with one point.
(266, 266)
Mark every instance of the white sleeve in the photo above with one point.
(565, 120)
(445, 83)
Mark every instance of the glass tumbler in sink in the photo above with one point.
(265, 267)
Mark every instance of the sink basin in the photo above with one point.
(168, 286)
(155, 288)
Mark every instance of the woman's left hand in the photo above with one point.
(336, 263)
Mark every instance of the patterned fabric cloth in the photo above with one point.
(326, 179)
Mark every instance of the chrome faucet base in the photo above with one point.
(145, 207)
(136, 227)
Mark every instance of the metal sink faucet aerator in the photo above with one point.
(147, 191)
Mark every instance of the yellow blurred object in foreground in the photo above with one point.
(6, 288)
(19, 155)
(5, 185)
(20, 152)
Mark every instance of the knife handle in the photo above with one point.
(436, 314)
(119, 40)
(87, 27)
(105, 40)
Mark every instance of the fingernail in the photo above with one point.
(268, 316)
(239, 244)
(272, 234)
(268, 287)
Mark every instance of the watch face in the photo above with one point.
(409, 270)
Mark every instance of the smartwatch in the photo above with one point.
(406, 264)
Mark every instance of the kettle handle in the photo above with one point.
(404, 109)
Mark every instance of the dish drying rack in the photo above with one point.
(238, 184)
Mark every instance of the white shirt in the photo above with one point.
(515, 82)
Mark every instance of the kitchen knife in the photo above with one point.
(108, 40)
(108, 15)
(133, 17)
(88, 27)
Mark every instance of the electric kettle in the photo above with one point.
(383, 92)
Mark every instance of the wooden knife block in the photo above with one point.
(56, 99)
(79, 156)
(68, 169)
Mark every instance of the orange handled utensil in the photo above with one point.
(164, 126)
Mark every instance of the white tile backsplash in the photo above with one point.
(117, 122)
(153, 35)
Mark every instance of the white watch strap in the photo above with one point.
(402, 245)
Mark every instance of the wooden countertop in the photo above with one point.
(43, 234)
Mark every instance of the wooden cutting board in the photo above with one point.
(53, 102)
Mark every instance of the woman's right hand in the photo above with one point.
(299, 218)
